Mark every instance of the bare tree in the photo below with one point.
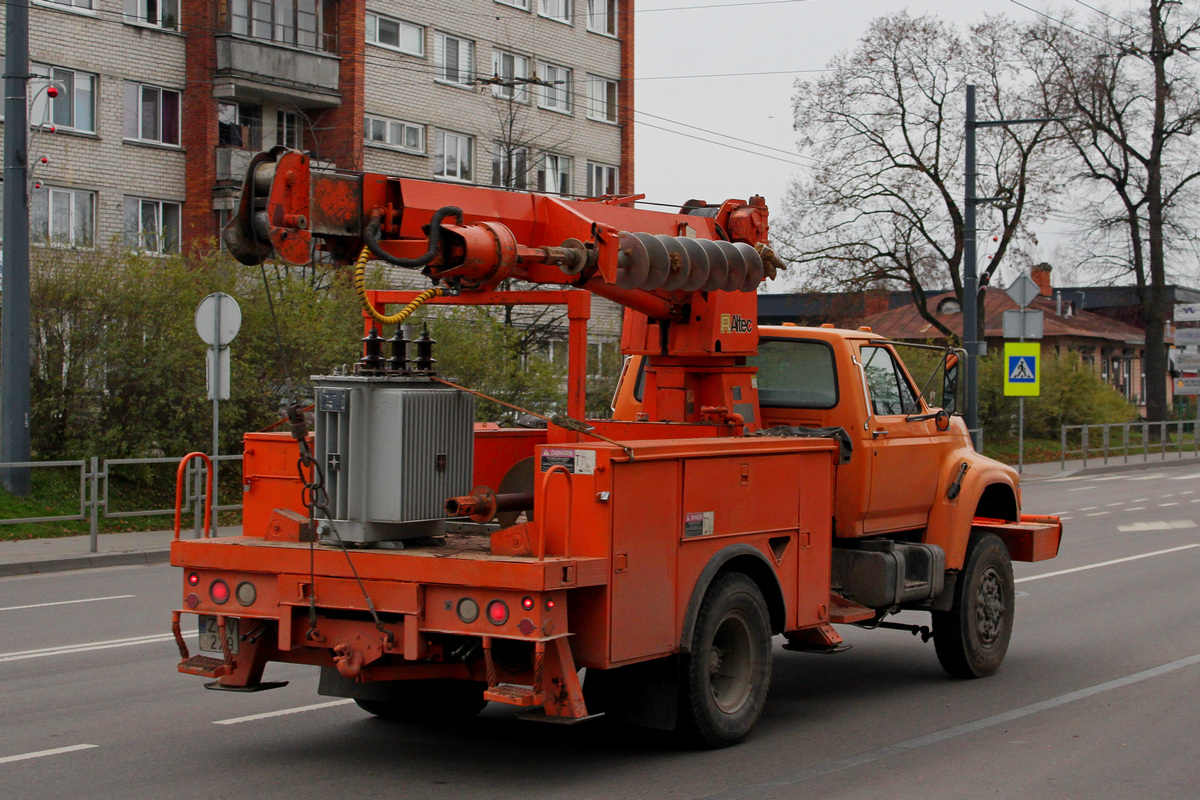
(885, 127)
(1128, 85)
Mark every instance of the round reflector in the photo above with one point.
(246, 593)
(219, 592)
(468, 610)
(497, 612)
(527, 603)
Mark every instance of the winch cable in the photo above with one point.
(557, 420)
(360, 288)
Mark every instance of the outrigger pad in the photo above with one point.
(259, 687)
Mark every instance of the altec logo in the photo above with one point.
(735, 323)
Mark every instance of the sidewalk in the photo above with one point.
(30, 556)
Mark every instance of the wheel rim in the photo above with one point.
(989, 607)
(731, 663)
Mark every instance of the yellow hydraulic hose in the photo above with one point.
(360, 286)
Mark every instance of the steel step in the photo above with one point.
(513, 695)
(842, 610)
(204, 666)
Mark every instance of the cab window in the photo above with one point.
(889, 389)
(795, 373)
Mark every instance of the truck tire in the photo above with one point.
(728, 672)
(971, 638)
(432, 702)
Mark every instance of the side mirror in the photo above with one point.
(950, 388)
(942, 420)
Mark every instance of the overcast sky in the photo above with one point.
(787, 37)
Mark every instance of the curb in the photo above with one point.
(1104, 469)
(65, 563)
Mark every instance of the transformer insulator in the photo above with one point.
(399, 344)
(372, 360)
(649, 261)
(425, 359)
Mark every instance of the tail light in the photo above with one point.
(246, 593)
(497, 612)
(219, 592)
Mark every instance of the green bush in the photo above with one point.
(1071, 394)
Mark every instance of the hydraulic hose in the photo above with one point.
(360, 288)
(371, 238)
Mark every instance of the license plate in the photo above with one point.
(210, 636)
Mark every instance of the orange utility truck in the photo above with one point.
(754, 480)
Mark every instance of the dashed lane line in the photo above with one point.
(1166, 525)
(282, 713)
(85, 647)
(41, 753)
(69, 602)
(1106, 563)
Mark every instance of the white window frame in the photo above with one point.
(47, 110)
(600, 107)
(521, 4)
(603, 177)
(78, 6)
(279, 21)
(558, 10)
(71, 197)
(554, 173)
(463, 69)
(393, 130)
(140, 123)
(515, 71)
(163, 14)
(159, 245)
(602, 17)
(287, 124)
(554, 96)
(440, 140)
(372, 28)
(511, 172)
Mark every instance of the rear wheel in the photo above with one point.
(728, 673)
(972, 638)
(428, 701)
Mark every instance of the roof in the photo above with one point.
(907, 323)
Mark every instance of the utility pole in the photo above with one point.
(972, 321)
(14, 330)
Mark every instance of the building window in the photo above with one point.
(152, 226)
(295, 22)
(394, 133)
(602, 99)
(75, 106)
(601, 180)
(72, 3)
(287, 129)
(511, 73)
(396, 34)
(556, 9)
(452, 156)
(556, 87)
(157, 13)
(510, 166)
(554, 174)
(63, 217)
(602, 16)
(523, 4)
(452, 58)
(151, 114)
(239, 125)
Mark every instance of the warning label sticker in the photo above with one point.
(577, 462)
(699, 523)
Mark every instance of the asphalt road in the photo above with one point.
(1098, 697)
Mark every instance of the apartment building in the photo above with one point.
(161, 103)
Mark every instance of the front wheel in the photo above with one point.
(971, 638)
(727, 674)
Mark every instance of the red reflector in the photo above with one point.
(527, 603)
(219, 592)
(191, 601)
(193, 579)
(549, 604)
(497, 612)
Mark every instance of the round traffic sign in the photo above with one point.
(218, 305)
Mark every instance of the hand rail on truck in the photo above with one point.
(179, 480)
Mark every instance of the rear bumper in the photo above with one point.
(1034, 538)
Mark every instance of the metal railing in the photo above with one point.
(94, 485)
(1100, 443)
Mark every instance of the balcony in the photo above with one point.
(257, 69)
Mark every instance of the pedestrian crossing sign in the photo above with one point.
(1022, 369)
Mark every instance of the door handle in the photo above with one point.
(878, 433)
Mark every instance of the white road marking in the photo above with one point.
(1106, 563)
(1190, 477)
(1081, 488)
(283, 713)
(1164, 505)
(1110, 505)
(1136, 508)
(1168, 525)
(782, 785)
(86, 647)
(1089, 508)
(1099, 514)
(69, 602)
(56, 751)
